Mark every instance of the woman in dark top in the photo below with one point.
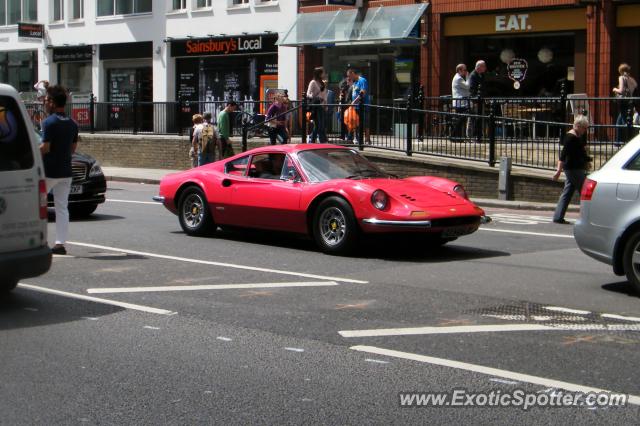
(573, 161)
(277, 120)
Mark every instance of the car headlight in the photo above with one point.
(459, 189)
(96, 170)
(379, 199)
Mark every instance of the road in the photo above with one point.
(143, 324)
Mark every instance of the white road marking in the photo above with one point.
(416, 331)
(90, 318)
(376, 361)
(504, 382)
(539, 234)
(224, 339)
(566, 310)
(97, 300)
(620, 317)
(208, 287)
(510, 375)
(226, 265)
(148, 327)
(294, 349)
(133, 202)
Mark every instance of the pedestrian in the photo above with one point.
(476, 88)
(41, 89)
(460, 94)
(626, 88)
(194, 151)
(360, 101)
(276, 119)
(206, 140)
(59, 142)
(225, 149)
(317, 96)
(574, 161)
(345, 91)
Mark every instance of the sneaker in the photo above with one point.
(59, 249)
(561, 222)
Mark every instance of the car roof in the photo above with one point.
(625, 153)
(7, 90)
(290, 148)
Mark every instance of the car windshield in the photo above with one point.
(325, 164)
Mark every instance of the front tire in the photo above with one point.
(335, 229)
(82, 210)
(631, 261)
(193, 213)
(7, 285)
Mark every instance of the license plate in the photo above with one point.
(76, 189)
(457, 231)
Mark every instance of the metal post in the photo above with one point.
(409, 126)
(479, 127)
(92, 109)
(492, 134)
(421, 119)
(303, 111)
(245, 132)
(179, 115)
(563, 110)
(629, 120)
(360, 132)
(135, 115)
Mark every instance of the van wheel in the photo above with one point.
(8, 284)
(631, 261)
(193, 213)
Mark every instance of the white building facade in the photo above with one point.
(151, 50)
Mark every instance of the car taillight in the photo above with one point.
(588, 189)
(42, 190)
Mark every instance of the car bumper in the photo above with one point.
(593, 242)
(26, 263)
(93, 192)
(158, 199)
(409, 223)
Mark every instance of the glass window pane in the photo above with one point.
(204, 3)
(57, 10)
(13, 15)
(3, 13)
(105, 7)
(30, 12)
(78, 12)
(143, 6)
(124, 7)
(391, 22)
(15, 146)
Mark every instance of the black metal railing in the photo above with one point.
(528, 130)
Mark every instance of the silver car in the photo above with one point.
(609, 226)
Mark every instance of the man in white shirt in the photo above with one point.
(460, 94)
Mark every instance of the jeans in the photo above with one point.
(205, 158)
(459, 122)
(319, 124)
(274, 132)
(622, 133)
(574, 180)
(60, 187)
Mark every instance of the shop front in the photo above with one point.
(129, 79)
(547, 47)
(383, 43)
(19, 69)
(218, 69)
(74, 68)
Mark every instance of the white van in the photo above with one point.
(24, 251)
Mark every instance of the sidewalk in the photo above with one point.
(153, 176)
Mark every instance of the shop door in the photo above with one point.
(144, 80)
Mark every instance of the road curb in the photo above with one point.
(132, 180)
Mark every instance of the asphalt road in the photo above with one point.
(148, 326)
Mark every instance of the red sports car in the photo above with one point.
(329, 192)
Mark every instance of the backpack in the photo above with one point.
(207, 137)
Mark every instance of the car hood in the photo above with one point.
(83, 158)
(415, 193)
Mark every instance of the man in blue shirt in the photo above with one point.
(360, 100)
(59, 142)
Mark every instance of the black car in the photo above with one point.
(87, 187)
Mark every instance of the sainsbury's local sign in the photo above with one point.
(236, 45)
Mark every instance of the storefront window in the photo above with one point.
(76, 77)
(19, 69)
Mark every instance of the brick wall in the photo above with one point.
(172, 152)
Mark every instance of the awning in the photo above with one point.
(344, 27)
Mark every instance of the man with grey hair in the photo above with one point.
(476, 88)
(460, 95)
(574, 161)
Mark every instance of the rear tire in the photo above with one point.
(335, 229)
(83, 210)
(631, 261)
(193, 213)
